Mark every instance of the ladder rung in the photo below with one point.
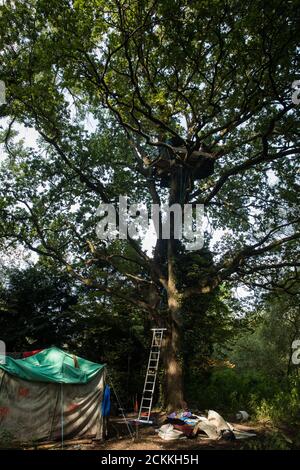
(152, 371)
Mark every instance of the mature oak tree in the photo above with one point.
(177, 101)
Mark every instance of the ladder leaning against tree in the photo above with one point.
(151, 374)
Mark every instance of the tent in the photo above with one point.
(51, 395)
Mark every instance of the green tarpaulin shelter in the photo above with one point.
(53, 365)
(51, 395)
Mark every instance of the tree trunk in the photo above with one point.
(173, 390)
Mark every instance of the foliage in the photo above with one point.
(283, 407)
(254, 371)
(271, 441)
(266, 344)
(41, 308)
(36, 309)
(226, 390)
(139, 70)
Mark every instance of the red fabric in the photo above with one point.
(136, 406)
(4, 411)
(23, 392)
(31, 353)
(185, 428)
(73, 407)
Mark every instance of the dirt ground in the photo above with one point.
(145, 438)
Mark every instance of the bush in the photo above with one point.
(229, 390)
(271, 441)
(282, 408)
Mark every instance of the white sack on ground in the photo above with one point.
(168, 433)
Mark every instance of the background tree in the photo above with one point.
(272, 328)
(42, 307)
(111, 88)
(36, 309)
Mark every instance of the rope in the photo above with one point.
(164, 298)
(62, 415)
(183, 181)
(130, 431)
